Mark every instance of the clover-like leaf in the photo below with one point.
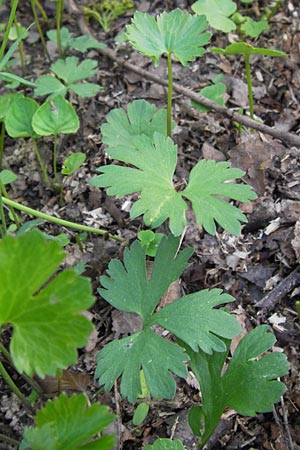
(208, 181)
(203, 326)
(254, 28)
(69, 423)
(217, 13)
(249, 384)
(160, 200)
(176, 33)
(147, 351)
(55, 116)
(128, 287)
(45, 315)
(121, 129)
(245, 49)
(165, 444)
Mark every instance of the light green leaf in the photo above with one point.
(208, 182)
(47, 84)
(176, 33)
(121, 129)
(85, 42)
(55, 116)
(203, 325)
(85, 89)
(151, 240)
(254, 28)
(65, 37)
(140, 413)
(18, 120)
(217, 13)
(69, 423)
(128, 288)
(249, 384)
(5, 102)
(70, 71)
(159, 200)
(165, 444)
(7, 176)
(73, 162)
(47, 322)
(243, 48)
(214, 92)
(145, 350)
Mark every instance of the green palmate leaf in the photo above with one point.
(243, 48)
(85, 89)
(145, 350)
(176, 33)
(209, 180)
(18, 120)
(65, 37)
(217, 13)
(203, 324)
(249, 384)
(121, 129)
(254, 28)
(151, 240)
(48, 84)
(73, 162)
(214, 92)
(69, 424)
(159, 199)
(128, 288)
(55, 116)
(46, 319)
(70, 71)
(85, 42)
(165, 444)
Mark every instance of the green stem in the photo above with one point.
(273, 10)
(59, 11)
(9, 440)
(63, 223)
(3, 228)
(54, 158)
(2, 133)
(5, 195)
(43, 12)
(38, 26)
(20, 46)
(298, 309)
(42, 165)
(14, 6)
(170, 91)
(5, 375)
(249, 84)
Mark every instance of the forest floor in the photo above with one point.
(262, 261)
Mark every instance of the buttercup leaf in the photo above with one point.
(48, 84)
(176, 33)
(68, 423)
(243, 48)
(46, 319)
(70, 71)
(254, 28)
(147, 351)
(121, 129)
(245, 375)
(217, 13)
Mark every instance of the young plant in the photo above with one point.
(214, 92)
(81, 43)
(70, 71)
(106, 11)
(246, 50)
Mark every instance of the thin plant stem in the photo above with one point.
(14, 5)
(2, 133)
(38, 26)
(42, 165)
(13, 213)
(7, 378)
(59, 11)
(3, 227)
(273, 10)
(42, 11)
(9, 440)
(21, 47)
(63, 223)
(54, 158)
(170, 92)
(249, 84)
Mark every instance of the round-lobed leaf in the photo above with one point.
(18, 120)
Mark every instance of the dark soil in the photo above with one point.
(249, 267)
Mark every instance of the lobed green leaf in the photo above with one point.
(165, 444)
(217, 13)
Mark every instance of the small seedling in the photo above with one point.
(106, 11)
(214, 92)
(151, 240)
(80, 43)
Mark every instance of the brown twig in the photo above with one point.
(290, 138)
